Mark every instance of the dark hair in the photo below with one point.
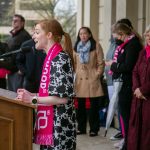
(125, 21)
(93, 42)
(20, 16)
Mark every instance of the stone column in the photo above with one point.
(120, 9)
(141, 16)
(132, 12)
(87, 15)
(91, 16)
(113, 11)
(80, 10)
(107, 23)
(147, 12)
(107, 13)
(128, 9)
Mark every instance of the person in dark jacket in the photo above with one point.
(18, 36)
(126, 57)
(139, 134)
(30, 66)
(3, 72)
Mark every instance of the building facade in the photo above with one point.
(11, 7)
(35, 10)
(99, 15)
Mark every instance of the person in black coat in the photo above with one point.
(30, 66)
(3, 48)
(17, 37)
(122, 67)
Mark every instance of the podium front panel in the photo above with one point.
(16, 125)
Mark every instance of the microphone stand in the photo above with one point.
(9, 53)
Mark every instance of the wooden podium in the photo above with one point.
(16, 123)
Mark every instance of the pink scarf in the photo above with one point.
(120, 49)
(45, 114)
(147, 48)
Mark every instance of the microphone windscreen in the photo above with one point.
(26, 49)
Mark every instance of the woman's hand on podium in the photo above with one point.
(24, 95)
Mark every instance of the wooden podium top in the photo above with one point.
(16, 122)
(10, 96)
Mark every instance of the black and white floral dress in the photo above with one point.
(61, 84)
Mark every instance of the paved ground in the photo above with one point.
(84, 142)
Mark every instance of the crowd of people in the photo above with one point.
(51, 75)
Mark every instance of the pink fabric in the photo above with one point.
(120, 48)
(44, 122)
(3, 72)
(122, 126)
(147, 47)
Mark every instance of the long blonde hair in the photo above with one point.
(55, 28)
(129, 24)
(147, 30)
(121, 28)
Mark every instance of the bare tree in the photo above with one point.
(57, 9)
(45, 8)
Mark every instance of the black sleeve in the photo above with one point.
(131, 53)
(20, 62)
(3, 48)
(26, 61)
(6, 61)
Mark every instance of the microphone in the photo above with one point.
(23, 49)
